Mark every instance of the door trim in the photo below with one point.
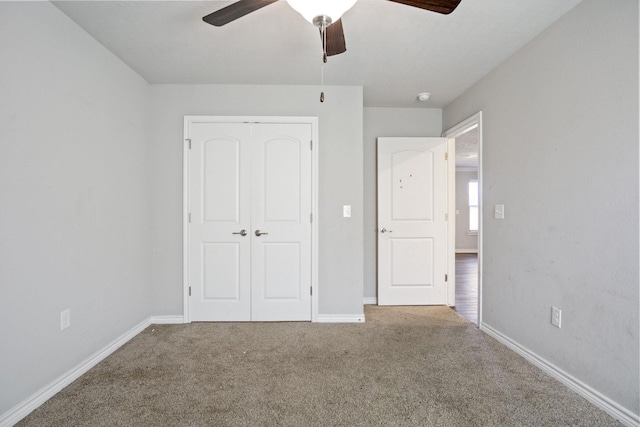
(313, 121)
(453, 132)
(451, 223)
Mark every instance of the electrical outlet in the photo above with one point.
(499, 212)
(556, 316)
(65, 319)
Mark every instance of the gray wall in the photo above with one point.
(386, 122)
(560, 151)
(340, 180)
(74, 204)
(464, 241)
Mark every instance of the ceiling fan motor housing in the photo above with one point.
(322, 21)
(320, 12)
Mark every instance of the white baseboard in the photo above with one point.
(614, 409)
(466, 251)
(166, 320)
(341, 318)
(24, 408)
(370, 300)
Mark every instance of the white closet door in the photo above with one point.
(249, 194)
(219, 198)
(280, 220)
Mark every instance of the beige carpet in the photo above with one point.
(413, 366)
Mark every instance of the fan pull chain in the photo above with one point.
(324, 43)
(322, 83)
(323, 30)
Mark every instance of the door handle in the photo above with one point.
(260, 233)
(241, 232)
(384, 230)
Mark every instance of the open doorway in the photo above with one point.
(468, 143)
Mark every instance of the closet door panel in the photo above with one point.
(281, 224)
(219, 201)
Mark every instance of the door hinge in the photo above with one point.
(446, 156)
(311, 290)
(311, 218)
(446, 217)
(189, 290)
(311, 145)
(189, 141)
(189, 219)
(446, 277)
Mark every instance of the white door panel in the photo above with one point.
(279, 180)
(222, 268)
(415, 252)
(411, 175)
(219, 185)
(221, 174)
(281, 205)
(412, 229)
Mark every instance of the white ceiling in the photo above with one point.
(467, 149)
(394, 51)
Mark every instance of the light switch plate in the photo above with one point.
(346, 211)
(65, 319)
(499, 212)
(556, 317)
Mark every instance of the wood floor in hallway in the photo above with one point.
(467, 286)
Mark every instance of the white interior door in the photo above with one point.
(281, 223)
(220, 209)
(219, 196)
(412, 227)
(249, 235)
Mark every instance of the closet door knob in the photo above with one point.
(241, 232)
(260, 233)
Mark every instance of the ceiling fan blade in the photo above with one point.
(439, 6)
(234, 11)
(335, 38)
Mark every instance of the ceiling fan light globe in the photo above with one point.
(331, 9)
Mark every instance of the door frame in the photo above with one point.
(453, 132)
(313, 121)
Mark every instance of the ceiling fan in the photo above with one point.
(324, 14)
